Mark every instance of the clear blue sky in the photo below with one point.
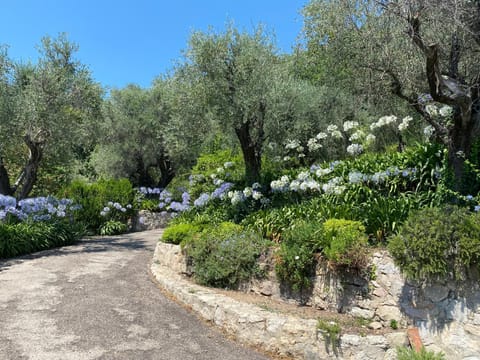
(134, 41)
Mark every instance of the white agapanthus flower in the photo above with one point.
(257, 195)
(431, 110)
(280, 185)
(405, 123)
(336, 134)
(303, 176)
(332, 128)
(428, 131)
(349, 125)
(357, 135)
(237, 197)
(355, 177)
(295, 185)
(354, 149)
(321, 172)
(383, 121)
(334, 186)
(313, 145)
(292, 144)
(371, 138)
(321, 136)
(248, 191)
(446, 111)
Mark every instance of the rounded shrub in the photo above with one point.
(225, 255)
(295, 259)
(181, 233)
(441, 243)
(344, 242)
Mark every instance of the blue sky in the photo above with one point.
(134, 41)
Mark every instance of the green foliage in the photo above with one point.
(295, 265)
(113, 227)
(181, 233)
(410, 354)
(331, 333)
(150, 205)
(225, 255)
(438, 243)
(53, 106)
(140, 154)
(227, 165)
(394, 324)
(295, 260)
(343, 240)
(93, 197)
(25, 237)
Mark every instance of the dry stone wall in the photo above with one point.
(447, 315)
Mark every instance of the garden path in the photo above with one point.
(98, 300)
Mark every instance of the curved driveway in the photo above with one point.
(97, 300)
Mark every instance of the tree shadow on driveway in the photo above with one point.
(93, 244)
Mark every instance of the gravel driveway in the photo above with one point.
(97, 300)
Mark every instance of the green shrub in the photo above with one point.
(224, 164)
(343, 243)
(225, 255)
(113, 227)
(295, 259)
(26, 237)
(410, 354)
(180, 233)
(95, 196)
(438, 243)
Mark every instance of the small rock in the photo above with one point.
(361, 313)
(375, 325)
(379, 292)
(387, 313)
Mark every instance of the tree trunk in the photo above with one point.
(29, 174)
(167, 171)
(252, 153)
(5, 187)
(141, 176)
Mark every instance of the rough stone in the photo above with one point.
(397, 339)
(436, 293)
(147, 220)
(387, 313)
(375, 325)
(361, 313)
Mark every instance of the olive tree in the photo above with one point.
(52, 105)
(412, 49)
(132, 143)
(237, 74)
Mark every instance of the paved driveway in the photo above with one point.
(97, 300)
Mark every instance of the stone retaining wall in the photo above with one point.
(448, 317)
(276, 333)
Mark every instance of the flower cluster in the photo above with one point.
(36, 209)
(149, 191)
(305, 180)
(384, 121)
(114, 207)
(355, 149)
